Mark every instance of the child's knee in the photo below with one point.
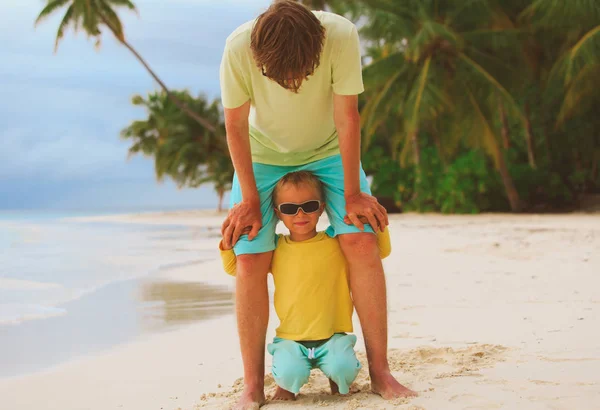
(341, 364)
(291, 369)
(291, 377)
(344, 368)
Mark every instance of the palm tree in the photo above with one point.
(90, 16)
(436, 63)
(577, 69)
(182, 150)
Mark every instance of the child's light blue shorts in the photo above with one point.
(329, 170)
(293, 361)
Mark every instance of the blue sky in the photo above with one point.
(61, 114)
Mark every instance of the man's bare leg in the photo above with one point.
(367, 283)
(252, 310)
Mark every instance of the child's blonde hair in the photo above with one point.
(298, 178)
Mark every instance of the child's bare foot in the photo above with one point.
(334, 387)
(282, 394)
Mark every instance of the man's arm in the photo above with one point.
(238, 140)
(246, 213)
(347, 123)
(346, 81)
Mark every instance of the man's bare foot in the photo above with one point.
(250, 400)
(334, 387)
(388, 387)
(282, 394)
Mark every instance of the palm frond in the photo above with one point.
(482, 128)
(50, 8)
(377, 73)
(392, 7)
(562, 15)
(487, 78)
(111, 19)
(421, 87)
(371, 116)
(582, 89)
(67, 19)
(587, 49)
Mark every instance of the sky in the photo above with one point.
(61, 114)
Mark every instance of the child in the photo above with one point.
(312, 294)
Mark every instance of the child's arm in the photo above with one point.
(229, 259)
(383, 238)
(385, 245)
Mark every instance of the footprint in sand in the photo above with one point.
(474, 402)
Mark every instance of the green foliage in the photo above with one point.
(182, 149)
(469, 185)
(88, 15)
(504, 91)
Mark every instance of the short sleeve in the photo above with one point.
(234, 89)
(346, 73)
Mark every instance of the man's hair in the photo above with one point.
(299, 178)
(286, 43)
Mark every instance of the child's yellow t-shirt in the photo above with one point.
(312, 293)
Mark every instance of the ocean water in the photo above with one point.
(70, 288)
(47, 260)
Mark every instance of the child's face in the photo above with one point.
(301, 223)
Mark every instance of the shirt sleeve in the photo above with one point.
(384, 243)
(346, 73)
(229, 259)
(234, 88)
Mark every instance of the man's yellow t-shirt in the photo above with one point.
(281, 122)
(312, 293)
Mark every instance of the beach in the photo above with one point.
(485, 312)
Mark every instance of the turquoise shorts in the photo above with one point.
(328, 170)
(293, 361)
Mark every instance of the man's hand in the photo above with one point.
(243, 216)
(365, 205)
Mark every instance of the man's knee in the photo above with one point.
(359, 244)
(255, 265)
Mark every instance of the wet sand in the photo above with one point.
(118, 313)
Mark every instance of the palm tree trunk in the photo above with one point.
(182, 106)
(221, 194)
(509, 186)
(438, 145)
(414, 141)
(505, 128)
(416, 149)
(529, 137)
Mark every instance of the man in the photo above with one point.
(289, 84)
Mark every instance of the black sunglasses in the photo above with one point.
(308, 207)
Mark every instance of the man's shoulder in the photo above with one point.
(239, 40)
(337, 27)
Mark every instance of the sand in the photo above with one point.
(485, 312)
